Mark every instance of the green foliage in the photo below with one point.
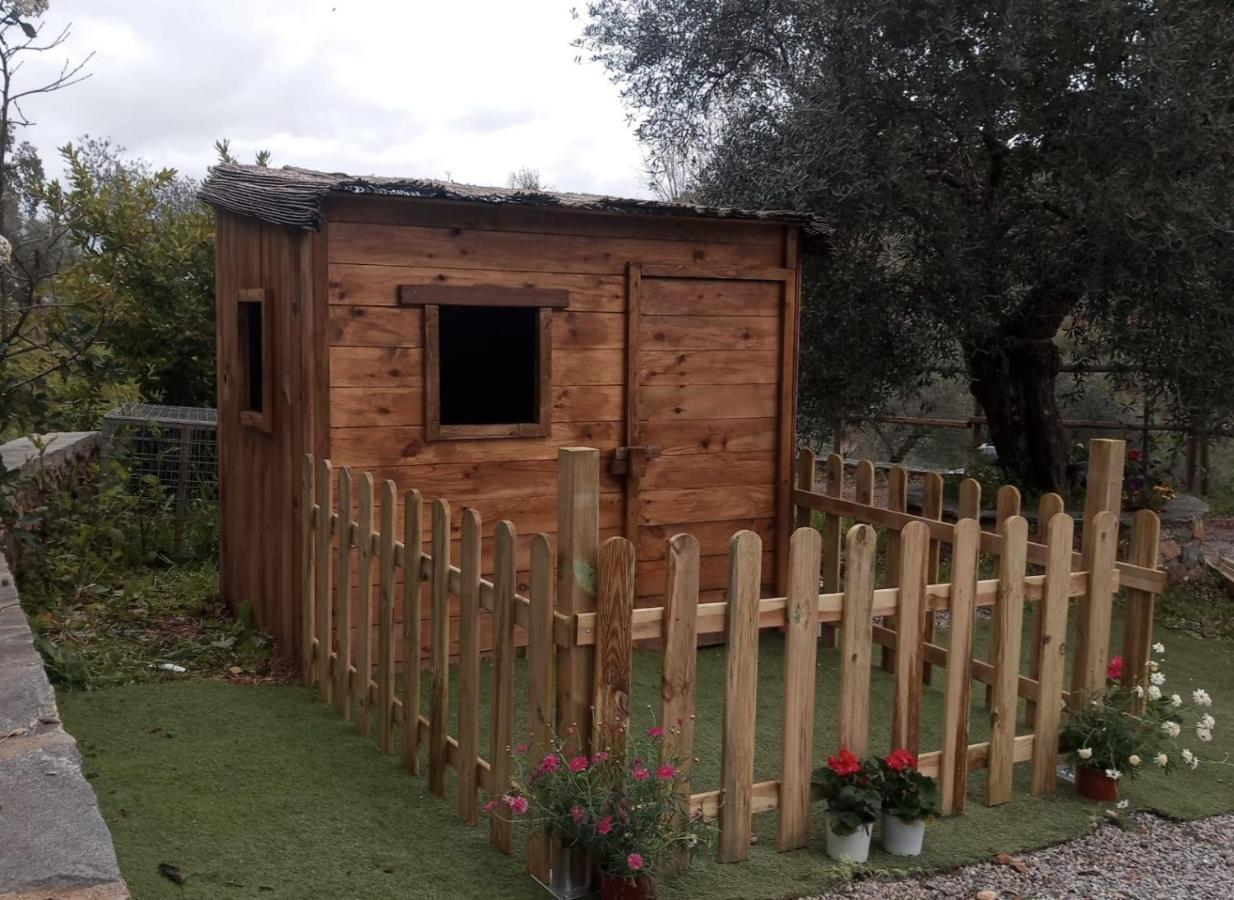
(997, 178)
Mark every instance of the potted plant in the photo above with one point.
(1146, 483)
(1124, 728)
(624, 806)
(850, 787)
(908, 799)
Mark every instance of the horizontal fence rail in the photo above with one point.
(372, 557)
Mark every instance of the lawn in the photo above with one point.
(260, 791)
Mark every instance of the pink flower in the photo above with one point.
(521, 749)
(518, 805)
(634, 861)
(655, 732)
(605, 825)
(578, 764)
(600, 757)
(488, 807)
(578, 814)
(550, 763)
(641, 774)
(1114, 670)
(666, 771)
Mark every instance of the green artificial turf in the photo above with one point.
(260, 791)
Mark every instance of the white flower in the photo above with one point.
(1113, 774)
(1208, 721)
(1157, 678)
(1188, 756)
(1084, 753)
(1176, 700)
(1134, 760)
(1154, 692)
(1159, 648)
(1138, 691)
(1162, 760)
(1200, 697)
(1123, 804)
(6, 251)
(1171, 728)
(1195, 762)
(1153, 665)
(1204, 734)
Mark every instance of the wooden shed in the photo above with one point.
(452, 338)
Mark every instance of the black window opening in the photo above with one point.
(489, 365)
(251, 358)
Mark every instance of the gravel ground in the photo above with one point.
(1156, 860)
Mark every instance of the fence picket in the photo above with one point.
(805, 482)
(1138, 633)
(1097, 610)
(680, 652)
(364, 605)
(614, 648)
(308, 568)
(1007, 505)
(897, 501)
(931, 508)
(325, 594)
(800, 650)
(412, 579)
(1006, 629)
(439, 650)
(540, 696)
(833, 486)
(1052, 651)
(863, 487)
(911, 611)
(469, 666)
(385, 621)
(500, 834)
(342, 671)
(968, 506)
(856, 642)
(954, 763)
(740, 696)
(1048, 506)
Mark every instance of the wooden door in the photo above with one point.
(703, 394)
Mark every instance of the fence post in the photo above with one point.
(308, 569)
(911, 610)
(614, 646)
(800, 649)
(805, 482)
(740, 696)
(1096, 614)
(578, 539)
(680, 650)
(897, 501)
(1007, 505)
(1052, 652)
(953, 768)
(1104, 494)
(857, 640)
(1006, 629)
(833, 486)
(1138, 633)
(325, 508)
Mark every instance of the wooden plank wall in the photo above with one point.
(709, 364)
(259, 493)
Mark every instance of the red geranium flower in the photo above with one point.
(1133, 455)
(845, 764)
(1114, 670)
(900, 760)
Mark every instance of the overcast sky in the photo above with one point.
(469, 89)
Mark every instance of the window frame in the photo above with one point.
(431, 298)
(262, 419)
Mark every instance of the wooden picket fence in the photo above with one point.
(579, 624)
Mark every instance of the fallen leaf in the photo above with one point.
(172, 873)
(1006, 859)
(987, 895)
(235, 670)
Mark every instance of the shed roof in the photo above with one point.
(295, 197)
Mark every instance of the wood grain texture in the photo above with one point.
(897, 500)
(308, 567)
(1096, 614)
(727, 333)
(663, 367)
(364, 619)
(908, 653)
(694, 402)
(712, 297)
(325, 586)
(439, 653)
(342, 619)
(806, 463)
(968, 506)
(578, 542)
(833, 486)
(931, 508)
(1006, 631)
(740, 698)
(385, 644)
(614, 647)
(861, 545)
(800, 649)
(469, 665)
(677, 677)
(502, 734)
(1048, 506)
(412, 581)
(481, 295)
(953, 781)
(1053, 651)
(1103, 493)
(726, 436)
(540, 649)
(1144, 549)
(634, 413)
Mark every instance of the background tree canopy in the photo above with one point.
(1003, 178)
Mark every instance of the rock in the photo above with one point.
(987, 894)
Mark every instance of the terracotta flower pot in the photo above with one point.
(1095, 784)
(615, 887)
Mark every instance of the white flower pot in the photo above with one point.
(849, 848)
(902, 838)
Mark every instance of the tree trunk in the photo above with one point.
(1014, 383)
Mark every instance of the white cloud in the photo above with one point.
(472, 88)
